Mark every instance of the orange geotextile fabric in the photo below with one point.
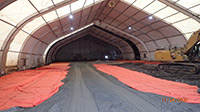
(31, 87)
(139, 61)
(147, 83)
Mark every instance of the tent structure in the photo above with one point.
(32, 31)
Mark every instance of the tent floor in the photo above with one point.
(89, 90)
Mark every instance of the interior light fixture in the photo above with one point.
(129, 27)
(72, 28)
(106, 56)
(150, 17)
(71, 16)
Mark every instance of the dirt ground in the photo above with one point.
(89, 90)
(151, 69)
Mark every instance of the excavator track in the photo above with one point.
(179, 68)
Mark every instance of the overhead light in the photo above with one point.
(71, 16)
(150, 17)
(72, 28)
(129, 27)
(106, 57)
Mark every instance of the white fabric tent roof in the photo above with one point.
(28, 28)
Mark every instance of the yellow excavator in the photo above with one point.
(185, 60)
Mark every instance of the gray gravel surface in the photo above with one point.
(89, 90)
(151, 69)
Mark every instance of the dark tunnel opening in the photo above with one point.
(87, 48)
(133, 46)
(80, 49)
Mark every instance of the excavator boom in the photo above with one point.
(195, 37)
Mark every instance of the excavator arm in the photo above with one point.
(195, 37)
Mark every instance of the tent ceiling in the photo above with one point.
(28, 25)
(4, 3)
